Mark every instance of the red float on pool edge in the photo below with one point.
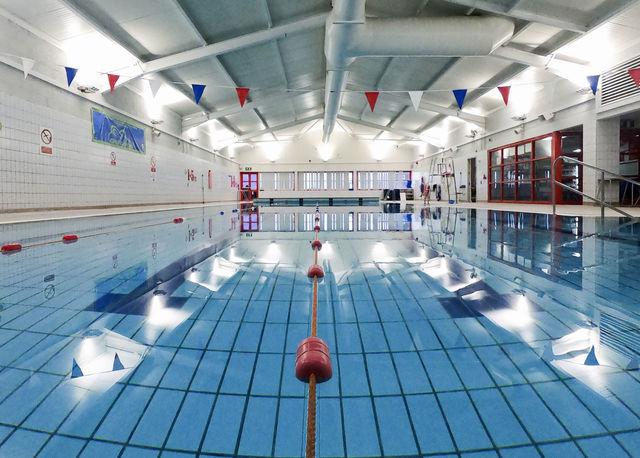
(313, 357)
(316, 244)
(178, 220)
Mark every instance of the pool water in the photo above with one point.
(451, 331)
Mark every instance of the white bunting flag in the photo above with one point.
(415, 96)
(155, 86)
(27, 65)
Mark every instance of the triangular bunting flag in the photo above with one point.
(117, 364)
(71, 74)
(113, 79)
(372, 97)
(242, 94)
(591, 358)
(504, 92)
(27, 65)
(593, 82)
(198, 89)
(155, 86)
(415, 97)
(634, 73)
(460, 94)
(75, 370)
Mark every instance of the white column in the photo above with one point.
(601, 147)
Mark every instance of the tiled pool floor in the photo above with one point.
(431, 355)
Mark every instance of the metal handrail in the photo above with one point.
(599, 201)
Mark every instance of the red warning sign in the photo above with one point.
(46, 141)
(153, 163)
(113, 158)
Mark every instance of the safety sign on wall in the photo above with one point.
(113, 158)
(153, 168)
(46, 141)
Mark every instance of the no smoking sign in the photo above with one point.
(46, 141)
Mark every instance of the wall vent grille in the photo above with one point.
(617, 84)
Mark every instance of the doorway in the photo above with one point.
(471, 179)
(248, 185)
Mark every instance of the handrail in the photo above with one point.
(599, 201)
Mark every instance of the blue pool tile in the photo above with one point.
(4, 432)
(101, 449)
(212, 309)
(290, 424)
(224, 426)
(22, 401)
(465, 425)
(258, 427)
(181, 369)
(330, 428)
(535, 416)
(469, 368)
(60, 446)
(135, 452)
(238, 375)
(365, 308)
(449, 334)
(209, 372)
(248, 337)
(291, 386)
(601, 446)
(267, 378)
(528, 451)
(278, 311)
(411, 373)
(398, 337)
(273, 338)
(359, 427)
(234, 310)
(198, 334)
(571, 412)
(423, 336)
(348, 338)
(224, 335)
(19, 345)
(387, 309)
(124, 414)
(395, 428)
(382, 375)
(170, 454)
(256, 311)
(153, 366)
(480, 454)
(10, 379)
(353, 378)
(87, 415)
(503, 426)
(474, 332)
(54, 408)
(22, 443)
(157, 419)
(373, 338)
(630, 441)
(503, 371)
(532, 366)
(300, 311)
(430, 425)
(344, 311)
(191, 422)
(440, 371)
(296, 333)
(625, 387)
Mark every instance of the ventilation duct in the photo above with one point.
(349, 35)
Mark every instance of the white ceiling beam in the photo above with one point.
(196, 120)
(402, 133)
(270, 130)
(525, 15)
(243, 41)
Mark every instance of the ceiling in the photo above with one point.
(276, 48)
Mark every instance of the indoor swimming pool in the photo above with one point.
(452, 332)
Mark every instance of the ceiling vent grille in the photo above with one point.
(617, 84)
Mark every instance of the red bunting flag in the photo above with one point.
(113, 79)
(634, 73)
(242, 94)
(504, 91)
(372, 97)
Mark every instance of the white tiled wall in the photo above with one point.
(80, 174)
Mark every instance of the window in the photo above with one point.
(277, 181)
(384, 180)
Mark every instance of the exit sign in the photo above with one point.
(247, 169)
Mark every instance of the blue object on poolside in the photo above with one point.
(452, 201)
(222, 213)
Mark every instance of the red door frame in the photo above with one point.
(249, 189)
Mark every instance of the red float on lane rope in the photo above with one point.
(317, 219)
(313, 357)
(317, 228)
(69, 238)
(178, 220)
(316, 244)
(11, 248)
(315, 271)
